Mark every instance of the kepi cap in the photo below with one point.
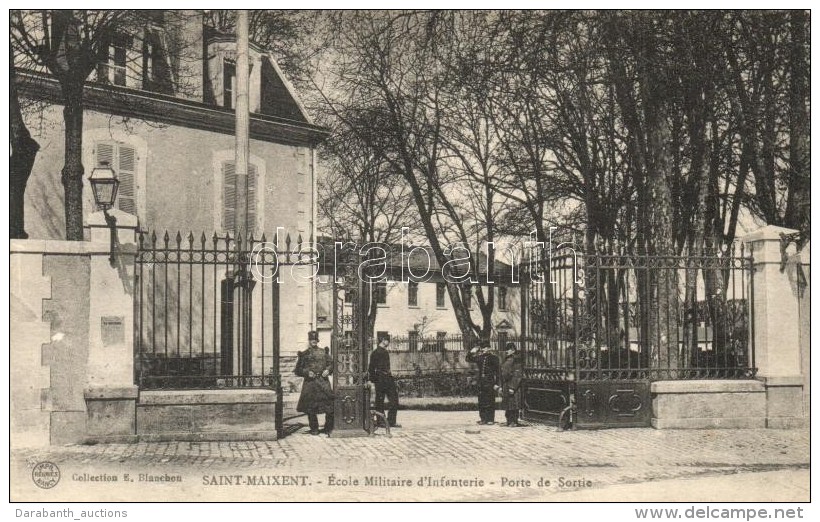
(313, 335)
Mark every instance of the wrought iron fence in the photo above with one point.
(207, 311)
(611, 316)
(616, 315)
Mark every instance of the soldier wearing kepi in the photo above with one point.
(314, 365)
(488, 379)
(380, 375)
(512, 371)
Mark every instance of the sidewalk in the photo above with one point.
(445, 457)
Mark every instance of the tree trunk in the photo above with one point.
(798, 205)
(72, 174)
(664, 291)
(23, 152)
(663, 288)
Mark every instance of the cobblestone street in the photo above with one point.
(530, 463)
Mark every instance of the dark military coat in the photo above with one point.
(317, 395)
(488, 368)
(379, 368)
(512, 371)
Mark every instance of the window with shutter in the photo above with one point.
(253, 180)
(126, 195)
(105, 154)
(123, 159)
(229, 197)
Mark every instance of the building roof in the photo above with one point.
(281, 116)
(282, 99)
(161, 108)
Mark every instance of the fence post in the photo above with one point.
(110, 393)
(776, 327)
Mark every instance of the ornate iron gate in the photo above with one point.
(602, 327)
(549, 328)
(207, 312)
(350, 348)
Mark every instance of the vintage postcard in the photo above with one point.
(409, 255)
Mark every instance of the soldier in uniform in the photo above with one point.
(314, 365)
(379, 373)
(488, 379)
(512, 371)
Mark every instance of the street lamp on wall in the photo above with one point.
(104, 185)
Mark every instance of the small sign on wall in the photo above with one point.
(113, 330)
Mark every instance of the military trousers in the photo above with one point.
(386, 387)
(313, 422)
(486, 403)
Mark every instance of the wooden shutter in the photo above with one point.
(229, 201)
(253, 182)
(104, 154)
(127, 193)
(228, 197)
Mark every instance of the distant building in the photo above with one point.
(417, 310)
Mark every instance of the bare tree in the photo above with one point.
(396, 67)
(23, 153)
(362, 199)
(654, 130)
(112, 47)
(69, 45)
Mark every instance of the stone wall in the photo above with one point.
(50, 310)
(30, 377)
(779, 396)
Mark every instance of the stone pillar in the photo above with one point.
(776, 323)
(30, 331)
(110, 392)
(802, 267)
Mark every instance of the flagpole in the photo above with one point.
(242, 123)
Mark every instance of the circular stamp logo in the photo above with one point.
(45, 475)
